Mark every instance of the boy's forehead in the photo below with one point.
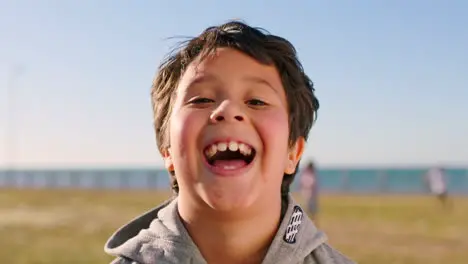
(203, 63)
(228, 62)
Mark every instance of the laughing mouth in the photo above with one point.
(231, 151)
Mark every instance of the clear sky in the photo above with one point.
(391, 76)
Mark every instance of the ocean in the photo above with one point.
(338, 180)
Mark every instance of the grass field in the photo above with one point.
(71, 226)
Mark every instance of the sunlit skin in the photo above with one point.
(231, 97)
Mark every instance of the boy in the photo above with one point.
(233, 109)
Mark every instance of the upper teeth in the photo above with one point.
(231, 145)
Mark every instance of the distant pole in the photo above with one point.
(10, 135)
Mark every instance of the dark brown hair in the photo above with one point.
(257, 43)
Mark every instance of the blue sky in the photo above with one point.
(391, 76)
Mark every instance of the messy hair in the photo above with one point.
(255, 42)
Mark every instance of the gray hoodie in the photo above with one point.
(159, 237)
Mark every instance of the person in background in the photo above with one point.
(435, 179)
(310, 190)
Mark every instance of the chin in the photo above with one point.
(228, 199)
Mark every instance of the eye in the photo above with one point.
(201, 100)
(256, 102)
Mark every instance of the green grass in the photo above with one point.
(71, 226)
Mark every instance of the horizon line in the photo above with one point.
(161, 167)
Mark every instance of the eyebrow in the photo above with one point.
(249, 78)
(202, 78)
(259, 80)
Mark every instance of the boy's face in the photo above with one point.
(229, 132)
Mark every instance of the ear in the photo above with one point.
(168, 163)
(294, 156)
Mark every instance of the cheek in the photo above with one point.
(274, 125)
(184, 129)
(274, 129)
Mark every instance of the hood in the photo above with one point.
(154, 236)
(159, 235)
(296, 238)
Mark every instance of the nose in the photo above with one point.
(227, 111)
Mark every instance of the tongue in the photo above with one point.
(230, 164)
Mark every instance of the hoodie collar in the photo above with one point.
(296, 237)
(159, 233)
